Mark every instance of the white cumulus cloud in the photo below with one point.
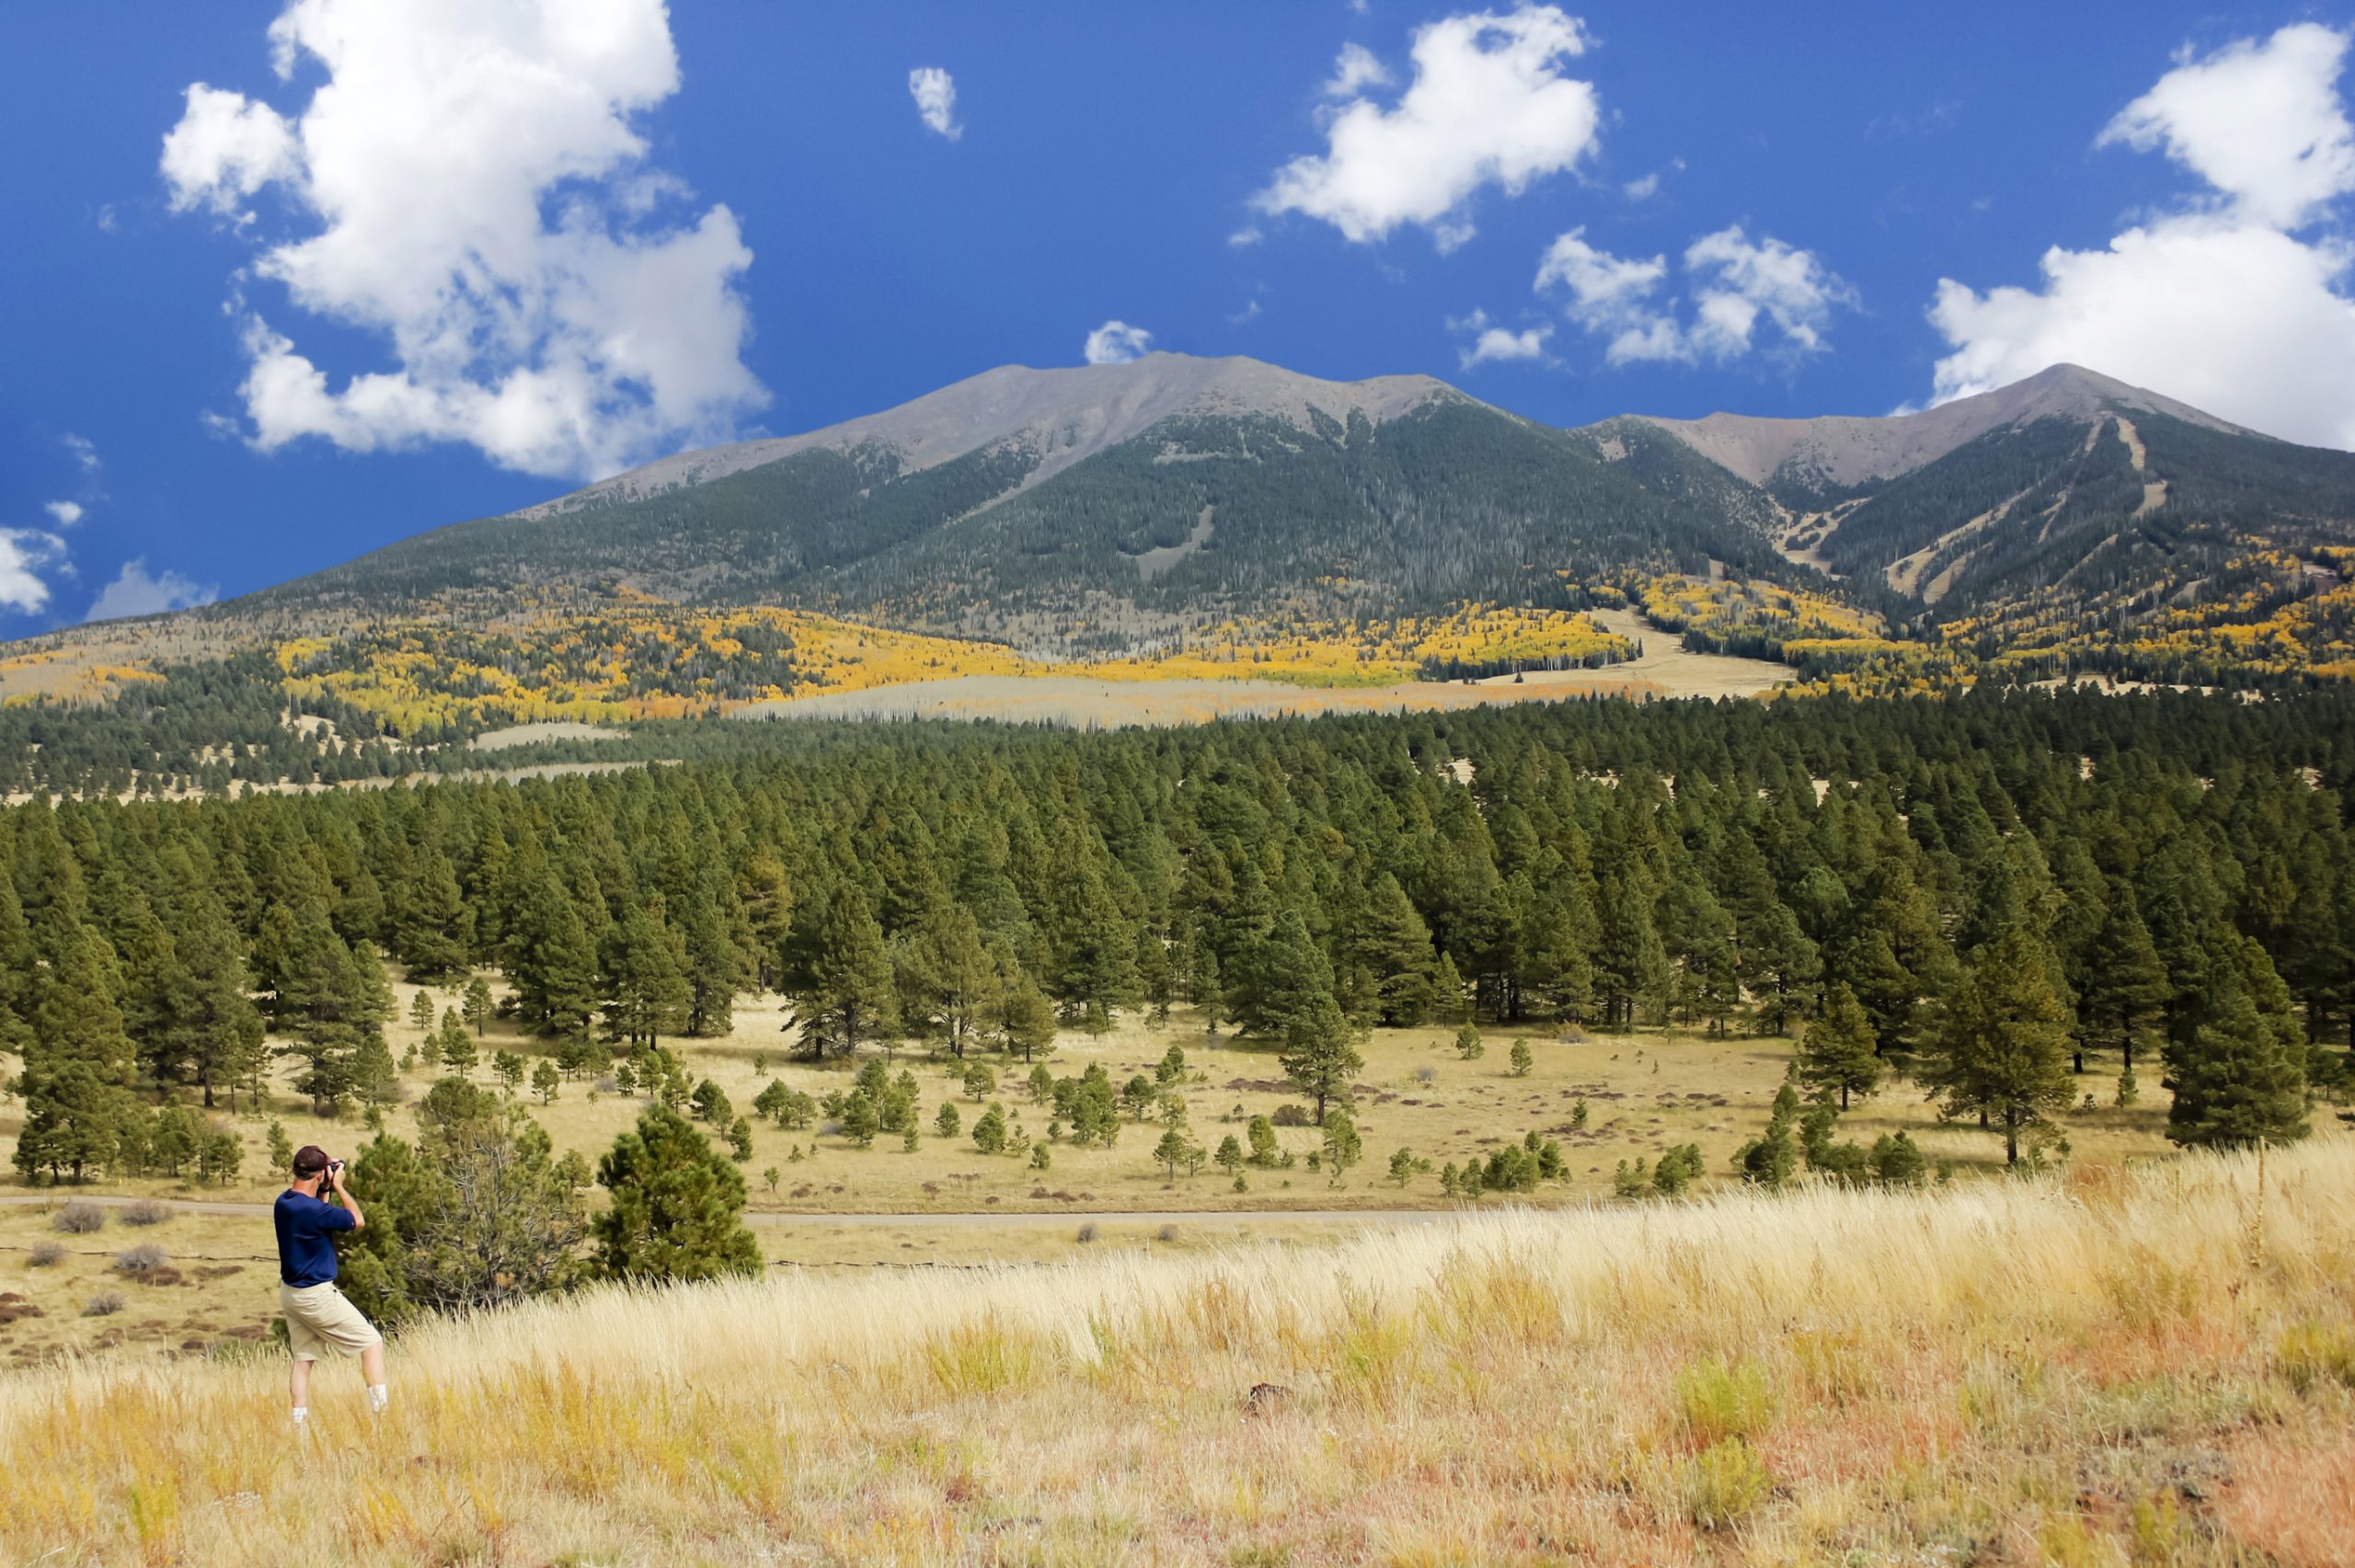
(226, 149)
(135, 591)
(1357, 69)
(2261, 122)
(1740, 281)
(24, 552)
(67, 513)
(1116, 343)
(1737, 283)
(2235, 302)
(935, 91)
(467, 185)
(1488, 105)
(1492, 344)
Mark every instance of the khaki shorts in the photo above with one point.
(319, 1321)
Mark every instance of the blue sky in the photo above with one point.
(735, 218)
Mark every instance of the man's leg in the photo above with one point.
(298, 1388)
(371, 1372)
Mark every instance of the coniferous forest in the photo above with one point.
(1980, 893)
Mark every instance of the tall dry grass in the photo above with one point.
(2144, 1367)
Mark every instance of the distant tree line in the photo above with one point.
(1983, 893)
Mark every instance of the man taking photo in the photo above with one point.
(318, 1319)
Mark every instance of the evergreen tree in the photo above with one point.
(949, 983)
(1390, 940)
(1292, 979)
(716, 967)
(1837, 1054)
(675, 1206)
(434, 929)
(2003, 1038)
(477, 1006)
(645, 987)
(455, 1047)
(850, 998)
(551, 961)
(1024, 1018)
(2125, 987)
(2237, 1079)
(1320, 1054)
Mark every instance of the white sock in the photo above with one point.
(377, 1395)
(301, 1415)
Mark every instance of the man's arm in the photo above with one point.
(359, 1220)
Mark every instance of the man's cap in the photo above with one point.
(309, 1160)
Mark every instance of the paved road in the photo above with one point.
(960, 1220)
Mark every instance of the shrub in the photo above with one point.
(148, 1211)
(1897, 1162)
(78, 1219)
(1293, 1115)
(1427, 1075)
(46, 1254)
(2312, 1353)
(989, 1131)
(1167, 1233)
(141, 1260)
(1523, 1060)
(1468, 1044)
(1721, 1399)
(1087, 1232)
(105, 1304)
(1679, 1168)
(1723, 1482)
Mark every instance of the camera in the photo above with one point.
(335, 1167)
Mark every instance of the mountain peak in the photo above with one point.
(1072, 412)
(1844, 449)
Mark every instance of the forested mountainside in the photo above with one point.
(2070, 524)
(1202, 516)
(2167, 878)
(2070, 517)
(1224, 518)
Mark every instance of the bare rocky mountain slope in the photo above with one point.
(1842, 452)
(1066, 415)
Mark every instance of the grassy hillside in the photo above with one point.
(2149, 1365)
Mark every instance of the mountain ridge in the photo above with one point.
(1084, 410)
(1842, 450)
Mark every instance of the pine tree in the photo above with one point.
(2003, 1040)
(2237, 1079)
(1320, 1054)
(1292, 980)
(551, 960)
(433, 928)
(1391, 942)
(455, 1047)
(949, 983)
(2125, 989)
(420, 1010)
(1024, 1018)
(766, 897)
(850, 997)
(645, 987)
(1838, 1051)
(1447, 990)
(676, 1206)
(716, 967)
(477, 1006)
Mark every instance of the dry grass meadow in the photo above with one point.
(2140, 1365)
(1645, 1092)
